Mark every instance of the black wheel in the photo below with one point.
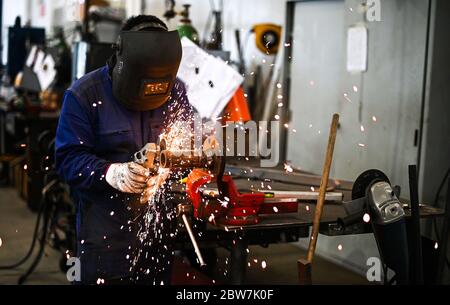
(365, 180)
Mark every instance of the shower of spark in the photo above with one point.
(155, 228)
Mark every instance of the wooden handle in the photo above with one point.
(323, 188)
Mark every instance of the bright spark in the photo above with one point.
(340, 247)
(264, 264)
(366, 218)
(347, 98)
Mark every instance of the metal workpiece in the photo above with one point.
(182, 159)
(183, 210)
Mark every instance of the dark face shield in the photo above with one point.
(146, 68)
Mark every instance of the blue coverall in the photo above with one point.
(94, 131)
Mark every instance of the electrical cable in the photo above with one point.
(33, 243)
(434, 221)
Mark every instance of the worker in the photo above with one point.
(107, 116)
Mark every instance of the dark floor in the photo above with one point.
(17, 224)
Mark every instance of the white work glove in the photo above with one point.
(128, 177)
(153, 185)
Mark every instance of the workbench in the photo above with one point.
(278, 228)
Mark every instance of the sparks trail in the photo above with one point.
(157, 220)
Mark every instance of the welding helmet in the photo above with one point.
(147, 64)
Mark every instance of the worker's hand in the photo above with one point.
(153, 185)
(128, 177)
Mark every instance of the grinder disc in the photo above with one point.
(365, 180)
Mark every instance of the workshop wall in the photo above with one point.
(237, 14)
(380, 109)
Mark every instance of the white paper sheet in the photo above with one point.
(357, 49)
(210, 82)
(45, 70)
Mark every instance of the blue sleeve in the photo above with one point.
(75, 160)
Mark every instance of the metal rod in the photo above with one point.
(193, 240)
(416, 236)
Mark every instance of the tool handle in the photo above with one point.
(323, 188)
(193, 240)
